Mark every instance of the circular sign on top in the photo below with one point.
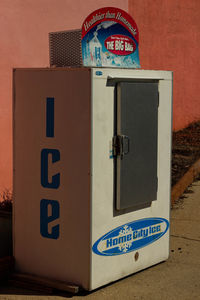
(110, 38)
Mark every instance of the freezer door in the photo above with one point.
(135, 144)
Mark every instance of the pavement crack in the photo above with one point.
(184, 237)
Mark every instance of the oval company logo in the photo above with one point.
(120, 44)
(131, 236)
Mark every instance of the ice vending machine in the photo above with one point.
(92, 153)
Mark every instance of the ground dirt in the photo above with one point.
(185, 150)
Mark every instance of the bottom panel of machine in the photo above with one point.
(129, 248)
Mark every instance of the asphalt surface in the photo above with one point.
(177, 278)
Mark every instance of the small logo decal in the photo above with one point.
(99, 73)
(131, 236)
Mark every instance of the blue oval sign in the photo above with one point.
(131, 236)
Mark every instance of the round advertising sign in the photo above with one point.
(110, 38)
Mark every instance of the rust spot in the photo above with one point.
(136, 256)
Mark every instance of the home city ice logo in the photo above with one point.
(131, 236)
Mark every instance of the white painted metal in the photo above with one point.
(107, 269)
(68, 257)
(84, 120)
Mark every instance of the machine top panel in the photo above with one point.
(131, 73)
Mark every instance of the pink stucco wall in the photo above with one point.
(24, 28)
(170, 40)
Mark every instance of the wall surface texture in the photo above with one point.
(24, 28)
(170, 40)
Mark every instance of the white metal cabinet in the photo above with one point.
(72, 222)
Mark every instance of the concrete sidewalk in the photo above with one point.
(177, 278)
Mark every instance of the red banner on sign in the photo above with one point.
(120, 44)
(110, 14)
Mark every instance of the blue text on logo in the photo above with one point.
(131, 236)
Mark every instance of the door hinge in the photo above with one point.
(120, 145)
